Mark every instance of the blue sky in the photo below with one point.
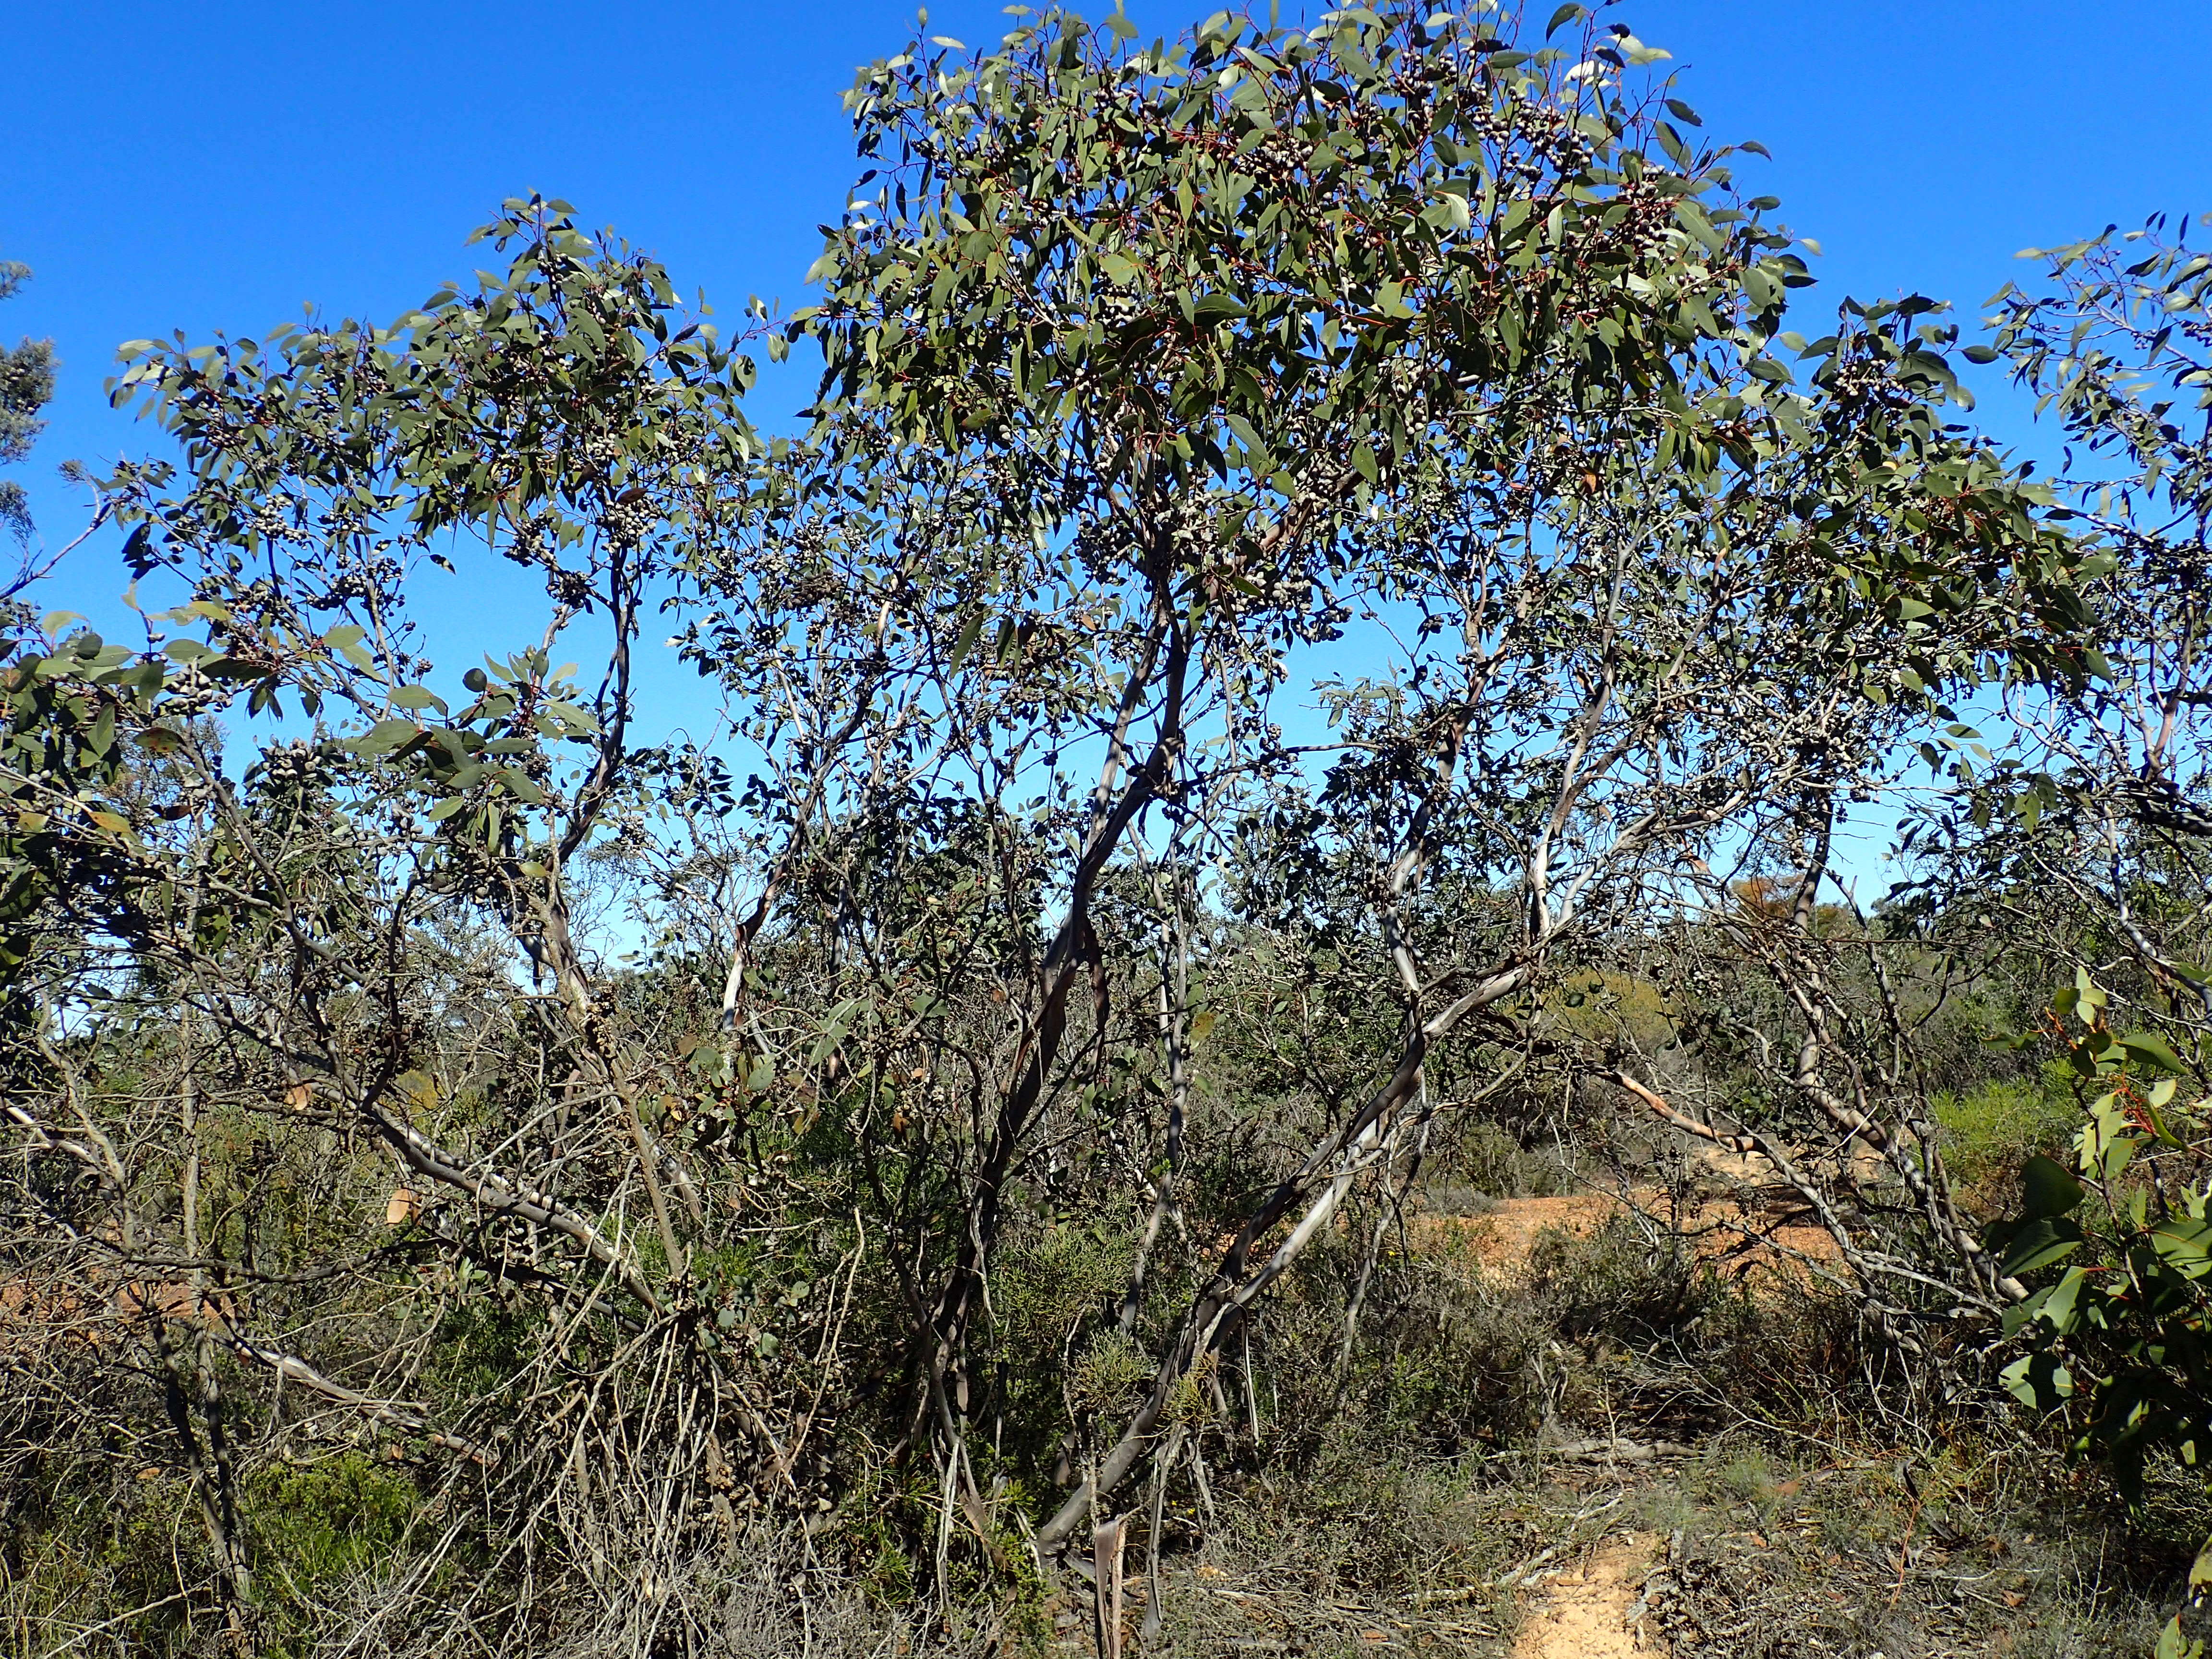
(216, 165)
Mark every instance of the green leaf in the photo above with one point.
(966, 642)
(2047, 1188)
(520, 784)
(2184, 1244)
(2061, 1302)
(2038, 1382)
(2039, 1242)
(2151, 1050)
(230, 668)
(383, 737)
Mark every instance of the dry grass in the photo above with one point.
(1733, 1553)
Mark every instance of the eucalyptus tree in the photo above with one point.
(338, 1126)
(1343, 491)
(2097, 801)
(1404, 337)
(2078, 853)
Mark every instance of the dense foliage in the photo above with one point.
(26, 384)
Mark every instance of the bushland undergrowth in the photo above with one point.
(1305, 681)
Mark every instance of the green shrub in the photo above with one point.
(1992, 1127)
(1494, 1163)
(1615, 1283)
(315, 1522)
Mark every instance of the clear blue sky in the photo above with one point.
(215, 164)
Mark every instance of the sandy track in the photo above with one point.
(1585, 1611)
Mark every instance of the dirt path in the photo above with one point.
(1734, 1241)
(1584, 1613)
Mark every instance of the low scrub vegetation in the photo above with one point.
(1250, 1026)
